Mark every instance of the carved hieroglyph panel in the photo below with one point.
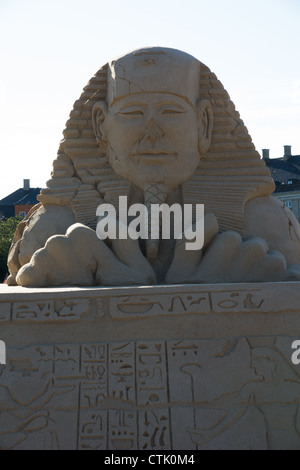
(223, 301)
(176, 394)
(133, 306)
(145, 304)
(45, 310)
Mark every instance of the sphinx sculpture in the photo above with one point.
(156, 125)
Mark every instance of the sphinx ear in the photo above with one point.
(99, 114)
(205, 124)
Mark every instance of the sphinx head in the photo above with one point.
(153, 124)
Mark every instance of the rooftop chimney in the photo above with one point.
(287, 151)
(265, 153)
(26, 185)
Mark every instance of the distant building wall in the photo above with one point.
(285, 171)
(292, 200)
(22, 209)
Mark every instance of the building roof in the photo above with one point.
(21, 197)
(285, 170)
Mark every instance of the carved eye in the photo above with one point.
(134, 112)
(170, 111)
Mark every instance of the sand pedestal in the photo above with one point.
(164, 367)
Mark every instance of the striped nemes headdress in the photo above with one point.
(228, 175)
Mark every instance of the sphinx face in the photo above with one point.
(152, 138)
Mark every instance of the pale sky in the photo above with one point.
(51, 48)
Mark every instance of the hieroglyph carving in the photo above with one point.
(45, 310)
(126, 306)
(178, 394)
(122, 307)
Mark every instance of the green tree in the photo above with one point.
(7, 230)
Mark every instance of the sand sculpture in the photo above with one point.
(101, 364)
(157, 126)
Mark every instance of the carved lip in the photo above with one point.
(155, 153)
(156, 156)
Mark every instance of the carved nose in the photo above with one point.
(153, 131)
